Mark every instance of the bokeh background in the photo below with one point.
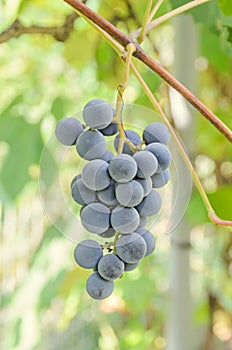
(183, 293)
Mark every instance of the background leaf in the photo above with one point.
(226, 7)
(25, 148)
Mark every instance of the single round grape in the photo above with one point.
(107, 156)
(124, 220)
(130, 193)
(82, 194)
(143, 221)
(122, 168)
(91, 144)
(68, 130)
(110, 130)
(108, 233)
(162, 153)
(110, 267)
(131, 248)
(95, 174)
(97, 114)
(160, 179)
(98, 288)
(130, 267)
(147, 164)
(146, 184)
(150, 205)
(88, 253)
(95, 218)
(78, 176)
(131, 136)
(107, 196)
(149, 240)
(156, 132)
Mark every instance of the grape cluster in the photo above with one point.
(117, 192)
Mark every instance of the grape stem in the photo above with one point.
(211, 213)
(164, 18)
(115, 241)
(132, 147)
(130, 49)
(155, 9)
(145, 22)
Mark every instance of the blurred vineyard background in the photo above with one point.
(44, 305)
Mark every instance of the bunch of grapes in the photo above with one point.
(117, 192)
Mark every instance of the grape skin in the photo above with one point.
(156, 132)
(107, 196)
(110, 130)
(149, 240)
(68, 130)
(143, 221)
(82, 194)
(78, 176)
(91, 144)
(162, 153)
(160, 179)
(131, 248)
(131, 136)
(130, 193)
(150, 205)
(97, 114)
(110, 267)
(95, 175)
(107, 156)
(124, 220)
(88, 253)
(122, 168)
(98, 288)
(146, 184)
(108, 233)
(130, 267)
(95, 218)
(147, 164)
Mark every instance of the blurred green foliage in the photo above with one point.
(44, 303)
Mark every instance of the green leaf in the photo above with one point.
(25, 148)
(48, 168)
(201, 314)
(196, 212)
(212, 49)
(57, 108)
(16, 332)
(107, 62)
(50, 290)
(229, 31)
(48, 236)
(76, 52)
(177, 3)
(12, 9)
(213, 18)
(226, 6)
(221, 202)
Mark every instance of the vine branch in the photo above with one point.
(124, 40)
(119, 104)
(61, 33)
(146, 19)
